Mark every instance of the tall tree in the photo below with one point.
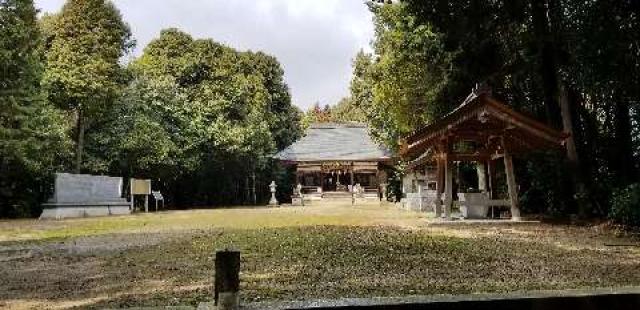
(83, 75)
(32, 133)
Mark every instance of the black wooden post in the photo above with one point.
(227, 280)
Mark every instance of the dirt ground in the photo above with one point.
(321, 251)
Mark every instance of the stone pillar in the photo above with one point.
(448, 187)
(482, 176)
(227, 280)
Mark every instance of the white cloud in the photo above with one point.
(314, 40)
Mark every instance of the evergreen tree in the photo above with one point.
(32, 134)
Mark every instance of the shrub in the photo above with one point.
(625, 206)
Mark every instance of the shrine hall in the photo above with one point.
(333, 159)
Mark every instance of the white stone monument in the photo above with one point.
(78, 195)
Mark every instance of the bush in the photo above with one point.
(625, 206)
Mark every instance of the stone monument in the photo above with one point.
(77, 195)
(273, 201)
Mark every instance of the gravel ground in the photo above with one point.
(298, 254)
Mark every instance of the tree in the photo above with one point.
(347, 111)
(82, 74)
(225, 112)
(406, 83)
(32, 133)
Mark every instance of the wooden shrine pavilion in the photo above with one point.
(480, 130)
(331, 159)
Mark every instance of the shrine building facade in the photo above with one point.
(332, 160)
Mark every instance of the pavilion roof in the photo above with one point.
(335, 142)
(487, 123)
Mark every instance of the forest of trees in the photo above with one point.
(198, 118)
(201, 119)
(573, 64)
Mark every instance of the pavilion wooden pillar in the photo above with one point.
(448, 199)
(511, 183)
(482, 176)
(491, 168)
(439, 186)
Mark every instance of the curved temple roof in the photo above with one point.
(486, 121)
(335, 142)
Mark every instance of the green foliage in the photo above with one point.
(317, 114)
(183, 114)
(207, 110)
(32, 133)
(400, 89)
(347, 111)
(429, 54)
(84, 44)
(625, 206)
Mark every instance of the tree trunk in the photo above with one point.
(548, 68)
(622, 160)
(254, 197)
(558, 107)
(577, 174)
(80, 127)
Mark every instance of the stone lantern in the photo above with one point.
(272, 187)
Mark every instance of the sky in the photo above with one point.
(314, 40)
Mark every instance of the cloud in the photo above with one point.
(314, 40)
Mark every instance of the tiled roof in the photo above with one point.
(335, 142)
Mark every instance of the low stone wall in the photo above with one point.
(419, 202)
(63, 212)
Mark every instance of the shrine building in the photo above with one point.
(333, 159)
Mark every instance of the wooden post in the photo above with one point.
(133, 204)
(482, 176)
(351, 174)
(448, 199)
(227, 280)
(511, 183)
(491, 172)
(146, 203)
(439, 187)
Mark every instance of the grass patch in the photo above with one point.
(295, 254)
(333, 262)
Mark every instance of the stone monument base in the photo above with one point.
(64, 211)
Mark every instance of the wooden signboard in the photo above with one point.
(140, 187)
(143, 188)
